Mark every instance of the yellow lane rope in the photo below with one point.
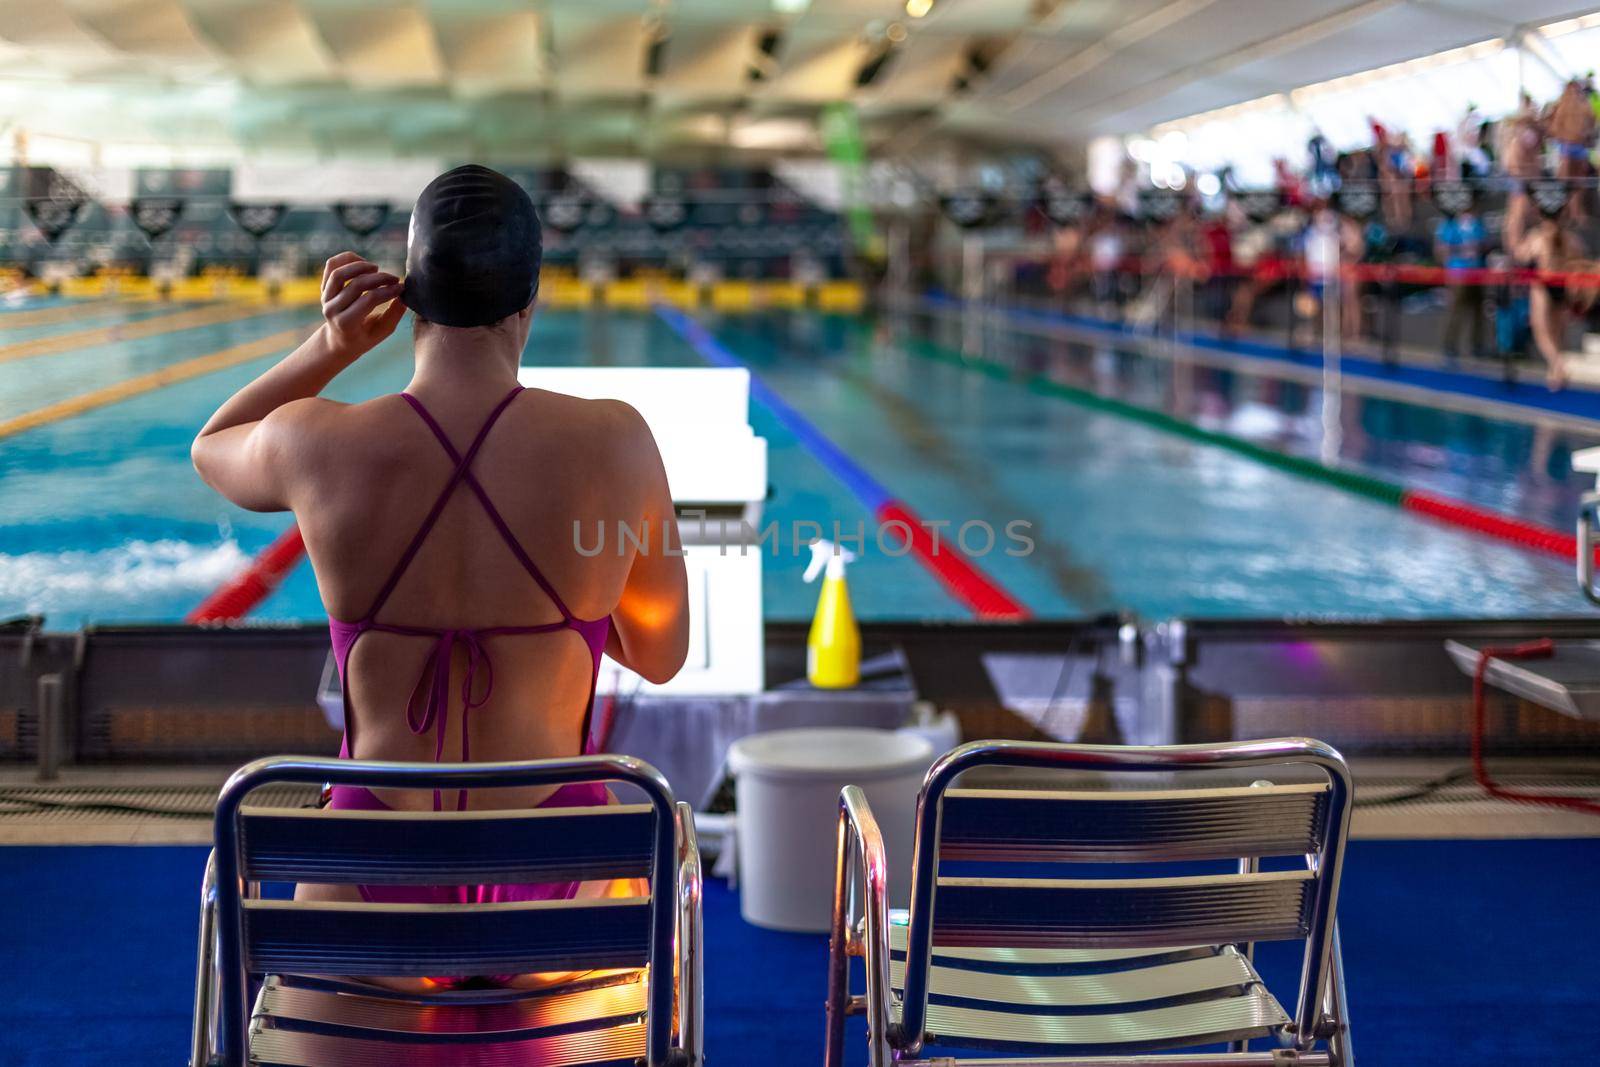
(131, 331)
(59, 313)
(145, 383)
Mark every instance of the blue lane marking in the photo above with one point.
(1578, 403)
(835, 460)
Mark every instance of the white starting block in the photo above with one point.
(717, 465)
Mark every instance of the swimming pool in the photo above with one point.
(106, 521)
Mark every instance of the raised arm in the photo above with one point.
(1522, 242)
(246, 448)
(650, 626)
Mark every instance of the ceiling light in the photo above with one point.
(918, 8)
(790, 7)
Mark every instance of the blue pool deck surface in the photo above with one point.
(1469, 953)
(106, 521)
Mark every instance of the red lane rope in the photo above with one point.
(1543, 648)
(241, 594)
(951, 566)
(1480, 520)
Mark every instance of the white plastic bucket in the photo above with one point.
(787, 785)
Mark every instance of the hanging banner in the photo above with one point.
(1160, 205)
(1358, 202)
(969, 208)
(53, 217)
(1064, 207)
(1453, 198)
(155, 215)
(362, 220)
(257, 220)
(1259, 205)
(1549, 195)
(53, 201)
(565, 212)
(665, 213)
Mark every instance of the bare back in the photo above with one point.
(371, 475)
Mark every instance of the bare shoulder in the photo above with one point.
(321, 435)
(610, 429)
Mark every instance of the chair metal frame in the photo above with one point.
(861, 915)
(222, 1015)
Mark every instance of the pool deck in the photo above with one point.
(184, 796)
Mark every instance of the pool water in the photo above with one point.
(106, 521)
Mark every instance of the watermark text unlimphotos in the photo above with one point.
(973, 537)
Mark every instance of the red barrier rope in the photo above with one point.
(240, 595)
(1271, 267)
(1543, 648)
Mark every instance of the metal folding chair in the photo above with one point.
(300, 955)
(1105, 970)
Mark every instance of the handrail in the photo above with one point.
(859, 839)
(690, 940)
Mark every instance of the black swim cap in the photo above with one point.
(472, 257)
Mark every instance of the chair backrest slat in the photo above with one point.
(450, 848)
(1124, 826)
(293, 937)
(1107, 912)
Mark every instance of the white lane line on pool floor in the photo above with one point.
(47, 316)
(56, 344)
(145, 383)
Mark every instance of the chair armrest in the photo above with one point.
(202, 1040)
(691, 939)
(862, 875)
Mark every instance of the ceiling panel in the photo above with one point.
(563, 76)
(269, 43)
(1510, 13)
(1389, 36)
(817, 66)
(597, 54)
(921, 74)
(706, 61)
(976, 16)
(382, 46)
(492, 52)
(53, 34)
(1242, 23)
(159, 30)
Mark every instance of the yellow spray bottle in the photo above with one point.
(833, 649)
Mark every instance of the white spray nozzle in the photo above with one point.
(826, 554)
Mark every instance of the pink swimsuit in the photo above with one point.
(435, 710)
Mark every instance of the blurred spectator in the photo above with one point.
(1329, 244)
(1324, 165)
(1216, 243)
(1520, 139)
(1471, 159)
(1459, 244)
(1255, 254)
(1571, 127)
(1395, 176)
(1551, 248)
(1108, 247)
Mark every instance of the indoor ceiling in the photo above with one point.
(542, 79)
